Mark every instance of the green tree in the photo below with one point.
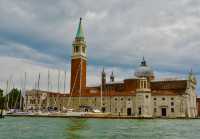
(1, 92)
(13, 98)
(1, 100)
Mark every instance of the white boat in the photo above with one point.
(96, 111)
(41, 113)
(76, 113)
(22, 113)
(10, 111)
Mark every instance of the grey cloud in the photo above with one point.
(118, 33)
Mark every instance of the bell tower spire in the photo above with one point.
(78, 63)
(79, 33)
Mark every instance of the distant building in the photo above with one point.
(43, 100)
(198, 106)
(140, 95)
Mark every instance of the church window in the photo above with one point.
(172, 98)
(147, 96)
(116, 99)
(172, 103)
(83, 49)
(172, 109)
(181, 106)
(155, 110)
(121, 99)
(95, 101)
(140, 110)
(77, 49)
(154, 98)
(163, 98)
(129, 99)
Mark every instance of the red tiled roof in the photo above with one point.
(169, 85)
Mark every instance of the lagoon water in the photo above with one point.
(70, 128)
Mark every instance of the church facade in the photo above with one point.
(141, 95)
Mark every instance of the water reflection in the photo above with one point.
(75, 126)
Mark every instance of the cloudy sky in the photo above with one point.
(36, 36)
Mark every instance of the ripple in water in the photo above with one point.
(71, 128)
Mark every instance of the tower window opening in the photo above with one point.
(83, 49)
(76, 49)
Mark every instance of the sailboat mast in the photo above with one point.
(65, 82)
(38, 85)
(47, 102)
(7, 103)
(25, 79)
(71, 91)
(48, 81)
(20, 94)
(58, 81)
(22, 91)
(38, 88)
(80, 83)
(101, 93)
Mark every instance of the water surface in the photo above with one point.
(70, 128)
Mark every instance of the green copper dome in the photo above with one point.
(79, 33)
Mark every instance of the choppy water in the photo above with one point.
(58, 128)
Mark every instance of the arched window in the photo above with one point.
(83, 49)
(139, 110)
(76, 49)
(143, 84)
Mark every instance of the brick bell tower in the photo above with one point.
(78, 63)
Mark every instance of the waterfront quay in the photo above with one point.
(97, 116)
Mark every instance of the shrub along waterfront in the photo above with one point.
(11, 100)
(1, 103)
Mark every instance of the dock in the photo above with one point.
(95, 116)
